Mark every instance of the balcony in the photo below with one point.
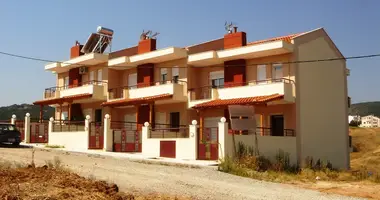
(157, 56)
(243, 90)
(247, 52)
(94, 88)
(87, 59)
(175, 88)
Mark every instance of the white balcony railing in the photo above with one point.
(95, 88)
(243, 90)
(175, 88)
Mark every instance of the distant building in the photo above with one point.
(353, 118)
(370, 121)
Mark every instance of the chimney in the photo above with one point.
(75, 50)
(235, 39)
(146, 45)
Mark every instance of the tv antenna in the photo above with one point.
(148, 35)
(230, 27)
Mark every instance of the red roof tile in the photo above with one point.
(239, 101)
(62, 99)
(287, 38)
(125, 102)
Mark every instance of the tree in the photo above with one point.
(355, 123)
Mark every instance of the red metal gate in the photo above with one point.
(39, 132)
(96, 138)
(20, 125)
(208, 145)
(126, 137)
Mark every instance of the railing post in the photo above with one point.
(193, 136)
(13, 119)
(27, 128)
(108, 137)
(87, 129)
(50, 127)
(225, 144)
(144, 138)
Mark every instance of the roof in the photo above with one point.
(126, 102)
(62, 99)
(287, 38)
(240, 101)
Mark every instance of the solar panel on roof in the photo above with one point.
(98, 42)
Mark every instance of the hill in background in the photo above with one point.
(365, 108)
(6, 112)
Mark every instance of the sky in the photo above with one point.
(47, 29)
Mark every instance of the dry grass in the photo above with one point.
(53, 182)
(366, 142)
(362, 180)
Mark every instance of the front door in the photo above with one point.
(98, 115)
(277, 125)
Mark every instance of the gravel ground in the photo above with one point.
(197, 183)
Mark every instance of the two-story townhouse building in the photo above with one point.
(370, 121)
(293, 94)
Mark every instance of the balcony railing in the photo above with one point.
(51, 92)
(264, 131)
(68, 126)
(205, 92)
(200, 93)
(168, 131)
(118, 92)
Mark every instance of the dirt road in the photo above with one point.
(198, 183)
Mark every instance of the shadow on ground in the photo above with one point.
(10, 146)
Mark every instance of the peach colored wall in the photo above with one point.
(321, 100)
(85, 77)
(252, 67)
(200, 76)
(115, 78)
(175, 107)
(288, 110)
(61, 78)
(93, 106)
(117, 114)
(181, 63)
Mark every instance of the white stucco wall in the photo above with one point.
(251, 90)
(70, 140)
(186, 148)
(268, 146)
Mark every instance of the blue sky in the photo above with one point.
(47, 29)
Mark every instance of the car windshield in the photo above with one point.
(7, 127)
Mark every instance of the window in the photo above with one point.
(132, 81)
(261, 73)
(164, 75)
(92, 76)
(66, 82)
(65, 116)
(277, 72)
(217, 79)
(100, 76)
(175, 74)
(218, 83)
(7, 127)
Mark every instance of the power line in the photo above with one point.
(252, 64)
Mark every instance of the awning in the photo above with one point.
(142, 100)
(240, 101)
(62, 99)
